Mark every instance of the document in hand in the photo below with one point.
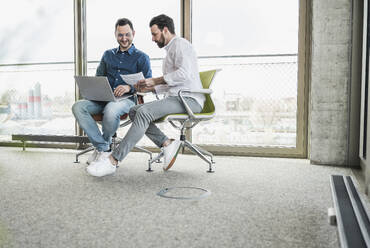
(132, 79)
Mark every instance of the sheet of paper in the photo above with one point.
(132, 79)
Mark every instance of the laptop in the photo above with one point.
(97, 88)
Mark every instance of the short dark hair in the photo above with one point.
(163, 21)
(123, 22)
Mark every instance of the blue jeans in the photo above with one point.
(83, 109)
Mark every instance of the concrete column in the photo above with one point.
(330, 81)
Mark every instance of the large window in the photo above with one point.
(36, 68)
(259, 45)
(255, 43)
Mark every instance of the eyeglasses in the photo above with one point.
(128, 35)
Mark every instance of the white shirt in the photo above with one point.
(180, 70)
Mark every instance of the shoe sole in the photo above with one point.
(172, 161)
(91, 173)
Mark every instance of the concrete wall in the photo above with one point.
(331, 127)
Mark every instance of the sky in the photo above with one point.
(42, 31)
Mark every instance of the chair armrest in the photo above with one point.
(188, 110)
(202, 91)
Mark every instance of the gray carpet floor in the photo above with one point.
(46, 200)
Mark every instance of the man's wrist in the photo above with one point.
(159, 80)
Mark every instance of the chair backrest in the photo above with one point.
(206, 77)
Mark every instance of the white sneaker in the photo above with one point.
(100, 156)
(97, 156)
(170, 153)
(94, 156)
(101, 167)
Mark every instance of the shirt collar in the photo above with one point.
(129, 51)
(169, 43)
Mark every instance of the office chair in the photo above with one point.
(189, 120)
(115, 140)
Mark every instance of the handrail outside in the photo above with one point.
(199, 57)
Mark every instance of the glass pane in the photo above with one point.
(256, 45)
(37, 31)
(36, 68)
(101, 19)
(102, 15)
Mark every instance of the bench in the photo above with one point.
(50, 138)
(67, 139)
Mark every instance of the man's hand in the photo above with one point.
(145, 85)
(121, 89)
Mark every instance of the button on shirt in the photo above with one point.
(180, 69)
(115, 63)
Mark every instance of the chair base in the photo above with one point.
(194, 148)
(202, 154)
(83, 152)
(157, 159)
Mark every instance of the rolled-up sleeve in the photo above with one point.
(144, 66)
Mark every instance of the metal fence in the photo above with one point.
(255, 97)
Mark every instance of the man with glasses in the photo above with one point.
(180, 71)
(125, 59)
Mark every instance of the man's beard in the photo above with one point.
(160, 43)
(125, 45)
